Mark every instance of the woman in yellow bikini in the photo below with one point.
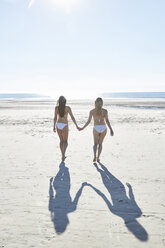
(100, 117)
(61, 123)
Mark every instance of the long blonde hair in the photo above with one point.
(98, 105)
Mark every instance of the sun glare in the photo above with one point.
(71, 95)
(65, 5)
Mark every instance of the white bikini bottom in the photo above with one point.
(61, 125)
(100, 128)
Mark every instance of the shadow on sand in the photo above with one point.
(60, 201)
(122, 205)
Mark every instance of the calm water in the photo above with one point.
(134, 95)
(20, 96)
(104, 95)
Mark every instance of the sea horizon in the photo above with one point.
(105, 95)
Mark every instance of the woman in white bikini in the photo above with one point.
(61, 123)
(100, 116)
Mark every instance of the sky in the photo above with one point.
(82, 47)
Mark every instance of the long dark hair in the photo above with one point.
(61, 106)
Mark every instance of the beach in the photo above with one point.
(119, 202)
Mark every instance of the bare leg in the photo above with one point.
(63, 135)
(101, 138)
(94, 151)
(61, 140)
(61, 146)
(96, 138)
(64, 149)
(65, 143)
(99, 152)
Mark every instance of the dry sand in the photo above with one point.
(43, 202)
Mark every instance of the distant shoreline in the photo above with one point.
(134, 95)
(116, 95)
(13, 96)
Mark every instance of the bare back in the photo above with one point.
(99, 119)
(63, 119)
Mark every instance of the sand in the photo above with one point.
(117, 203)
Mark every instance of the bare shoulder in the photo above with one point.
(92, 111)
(105, 111)
(68, 109)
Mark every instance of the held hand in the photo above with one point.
(111, 133)
(80, 128)
(84, 184)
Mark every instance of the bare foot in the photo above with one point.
(94, 160)
(63, 158)
(98, 159)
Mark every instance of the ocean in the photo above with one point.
(19, 96)
(134, 95)
(104, 95)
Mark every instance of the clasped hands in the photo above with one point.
(80, 128)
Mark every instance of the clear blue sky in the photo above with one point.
(82, 46)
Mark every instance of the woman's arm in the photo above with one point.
(55, 119)
(108, 123)
(133, 202)
(72, 117)
(73, 206)
(88, 121)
